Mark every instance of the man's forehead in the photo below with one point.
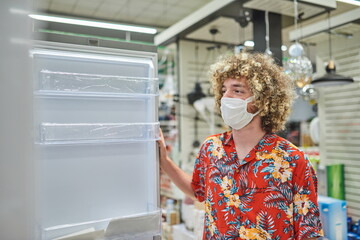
(234, 83)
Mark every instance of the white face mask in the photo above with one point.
(234, 112)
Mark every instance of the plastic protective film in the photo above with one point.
(92, 83)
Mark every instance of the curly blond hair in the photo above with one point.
(273, 90)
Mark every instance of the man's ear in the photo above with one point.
(251, 108)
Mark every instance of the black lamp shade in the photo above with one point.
(331, 78)
(196, 94)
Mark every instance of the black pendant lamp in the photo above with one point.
(331, 78)
(197, 92)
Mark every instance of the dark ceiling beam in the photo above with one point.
(194, 21)
(275, 36)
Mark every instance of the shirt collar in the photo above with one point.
(264, 144)
(227, 137)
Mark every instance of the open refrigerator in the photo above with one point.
(95, 131)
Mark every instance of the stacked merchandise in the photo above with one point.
(353, 229)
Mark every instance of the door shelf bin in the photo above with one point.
(65, 133)
(53, 60)
(67, 82)
(138, 227)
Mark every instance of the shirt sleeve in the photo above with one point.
(198, 177)
(307, 223)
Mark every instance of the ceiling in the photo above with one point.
(162, 14)
(229, 31)
(156, 13)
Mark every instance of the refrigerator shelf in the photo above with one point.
(77, 133)
(76, 95)
(66, 82)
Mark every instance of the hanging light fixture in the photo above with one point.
(331, 78)
(267, 37)
(298, 66)
(197, 93)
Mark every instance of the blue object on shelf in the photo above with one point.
(354, 228)
(333, 217)
(351, 236)
(349, 223)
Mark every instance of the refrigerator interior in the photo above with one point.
(95, 133)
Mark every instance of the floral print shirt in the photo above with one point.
(270, 194)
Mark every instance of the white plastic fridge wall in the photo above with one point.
(82, 186)
(95, 182)
(79, 109)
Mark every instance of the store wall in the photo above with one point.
(339, 108)
(339, 121)
(346, 53)
(16, 162)
(192, 68)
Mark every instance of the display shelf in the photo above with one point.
(66, 83)
(64, 133)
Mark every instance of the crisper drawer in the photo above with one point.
(87, 185)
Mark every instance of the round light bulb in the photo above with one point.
(296, 50)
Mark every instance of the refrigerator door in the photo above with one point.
(95, 128)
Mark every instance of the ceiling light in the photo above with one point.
(249, 43)
(93, 23)
(353, 2)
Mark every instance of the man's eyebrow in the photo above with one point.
(235, 85)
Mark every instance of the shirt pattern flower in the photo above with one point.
(270, 194)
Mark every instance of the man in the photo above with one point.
(255, 185)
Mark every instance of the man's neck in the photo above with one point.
(250, 135)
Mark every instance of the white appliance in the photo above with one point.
(95, 127)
